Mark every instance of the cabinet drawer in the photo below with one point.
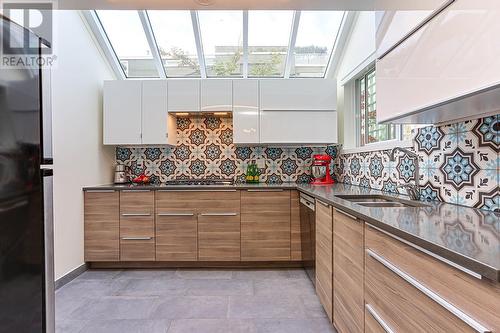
(137, 249)
(436, 297)
(374, 323)
(197, 201)
(136, 214)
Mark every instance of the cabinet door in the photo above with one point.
(101, 226)
(453, 55)
(122, 112)
(245, 111)
(302, 127)
(158, 127)
(265, 225)
(219, 236)
(298, 94)
(348, 270)
(216, 95)
(184, 95)
(137, 227)
(324, 256)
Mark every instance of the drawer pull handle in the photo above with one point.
(136, 214)
(100, 191)
(219, 214)
(379, 319)
(346, 214)
(176, 214)
(265, 190)
(429, 293)
(133, 191)
(137, 238)
(322, 203)
(199, 190)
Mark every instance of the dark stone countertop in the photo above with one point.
(465, 236)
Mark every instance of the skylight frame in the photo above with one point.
(98, 29)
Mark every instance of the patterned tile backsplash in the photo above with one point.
(459, 163)
(205, 149)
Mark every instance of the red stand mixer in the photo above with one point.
(320, 170)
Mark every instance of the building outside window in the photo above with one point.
(369, 130)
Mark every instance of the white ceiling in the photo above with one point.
(252, 4)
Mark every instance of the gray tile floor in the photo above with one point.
(190, 300)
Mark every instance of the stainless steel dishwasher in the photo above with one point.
(308, 234)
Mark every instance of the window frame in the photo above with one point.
(103, 40)
(398, 141)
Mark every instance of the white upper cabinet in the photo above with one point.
(216, 95)
(298, 94)
(245, 111)
(184, 95)
(122, 112)
(436, 74)
(135, 112)
(157, 126)
(298, 127)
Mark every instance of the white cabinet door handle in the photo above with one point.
(218, 214)
(175, 214)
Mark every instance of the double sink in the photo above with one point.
(379, 200)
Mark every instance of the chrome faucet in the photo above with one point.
(412, 190)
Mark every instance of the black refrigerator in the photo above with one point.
(26, 223)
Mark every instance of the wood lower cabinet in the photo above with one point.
(101, 225)
(348, 272)
(198, 225)
(137, 226)
(414, 292)
(374, 323)
(265, 225)
(296, 229)
(324, 256)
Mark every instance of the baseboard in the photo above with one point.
(70, 276)
(195, 264)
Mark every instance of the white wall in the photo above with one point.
(79, 157)
(359, 52)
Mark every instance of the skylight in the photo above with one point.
(183, 43)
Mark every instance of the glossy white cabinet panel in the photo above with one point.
(298, 127)
(298, 94)
(157, 128)
(454, 54)
(245, 111)
(216, 95)
(122, 112)
(184, 95)
(397, 24)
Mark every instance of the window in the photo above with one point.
(217, 43)
(268, 39)
(126, 35)
(370, 131)
(173, 32)
(316, 37)
(222, 40)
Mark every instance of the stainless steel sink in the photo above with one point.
(379, 200)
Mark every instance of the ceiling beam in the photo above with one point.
(245, 43)
(290, 58)
(146, 25)
(99, 34)
(199, 47)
